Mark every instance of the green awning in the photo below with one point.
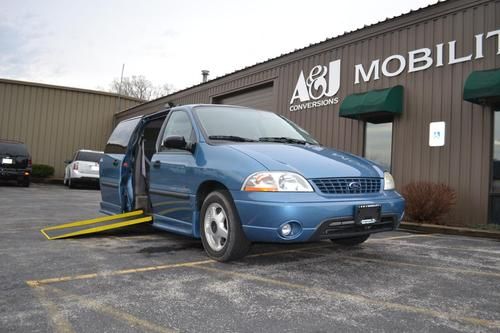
(483, 87)
(376, 106)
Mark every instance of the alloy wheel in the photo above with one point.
(216, 226)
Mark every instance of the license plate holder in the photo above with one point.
(367, 214)
(7, 160)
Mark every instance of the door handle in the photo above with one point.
(156, 164)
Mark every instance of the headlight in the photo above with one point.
(274, 181)
(388, 182)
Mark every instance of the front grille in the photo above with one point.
(356, 185)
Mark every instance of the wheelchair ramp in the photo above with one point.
(95, 225)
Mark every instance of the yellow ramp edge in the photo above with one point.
(120, 224)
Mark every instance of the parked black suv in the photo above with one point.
(15, 162)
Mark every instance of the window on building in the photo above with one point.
(378, 143)
(495, 181)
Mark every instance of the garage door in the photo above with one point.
(259, 98)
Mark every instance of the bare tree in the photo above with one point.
(162, 90)
(139, 87)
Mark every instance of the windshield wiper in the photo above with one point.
(230, 138)
(283, 139)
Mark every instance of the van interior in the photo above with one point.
(145, 149)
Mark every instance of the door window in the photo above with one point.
(179, 124)
(119, 139)
(378, 143)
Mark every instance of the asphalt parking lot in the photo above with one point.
(144, 280)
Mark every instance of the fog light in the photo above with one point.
(286, 229)
(26, 173)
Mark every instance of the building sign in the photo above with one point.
(323, 83)
(316, 90)
(437, 131)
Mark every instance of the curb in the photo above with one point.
(443, 229)
(54, 181)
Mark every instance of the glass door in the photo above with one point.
(495, 172)
(378, 143)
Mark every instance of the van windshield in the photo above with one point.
(248, 125)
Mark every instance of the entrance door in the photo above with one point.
(495, 172)
(378, 143)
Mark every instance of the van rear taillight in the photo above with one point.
(29, 163)
(75, 166)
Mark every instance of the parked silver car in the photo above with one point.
(83, 168)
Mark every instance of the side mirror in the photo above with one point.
(175, 142)
(68, 161)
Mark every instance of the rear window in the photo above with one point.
(13, 149)
(118, 141)
(88, 156)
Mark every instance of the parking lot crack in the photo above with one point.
(354, 298)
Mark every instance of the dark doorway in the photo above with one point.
(494, 216)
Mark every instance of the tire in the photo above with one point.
(220, 228)
(350, 241)
(70, 183)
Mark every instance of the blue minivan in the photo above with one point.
(233, 175)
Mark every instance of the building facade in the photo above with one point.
(56, 121)
(417, 93)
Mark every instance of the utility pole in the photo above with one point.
(120, 90)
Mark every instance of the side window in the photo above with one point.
(378, 143)
(178, 124)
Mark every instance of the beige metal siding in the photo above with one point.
(259, 98)
(56, 121)
(434, 94)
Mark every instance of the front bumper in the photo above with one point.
(319, 216)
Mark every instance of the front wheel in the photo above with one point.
(221, 231)
(350, 241)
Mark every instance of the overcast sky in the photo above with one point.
(84, 43)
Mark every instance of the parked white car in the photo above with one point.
(83, 168)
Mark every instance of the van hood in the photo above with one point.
(308, 160)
